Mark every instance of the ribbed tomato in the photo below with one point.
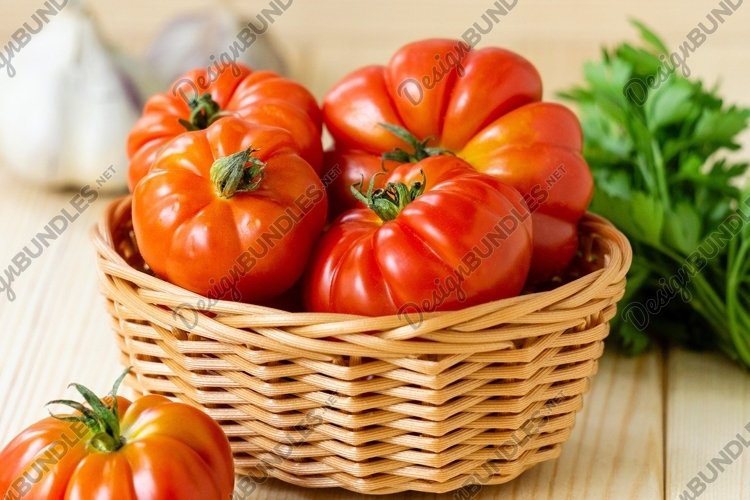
(438, 236)
(152, 448)
(482, 105)
(230, 212)
(198, 98)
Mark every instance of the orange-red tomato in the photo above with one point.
(198, 98)
(152, 449)
(459, 239)
(230, 212)
(484, 106)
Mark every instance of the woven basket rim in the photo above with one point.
(113, 263)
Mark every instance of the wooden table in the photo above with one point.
(649, 425)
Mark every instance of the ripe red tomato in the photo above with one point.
(483, 105)
(230, 212)
(198, 98)
(438, 236)
(152, 448)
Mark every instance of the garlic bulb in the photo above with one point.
(68, 108)
(198, 40)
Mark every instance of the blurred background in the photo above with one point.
(324, 39)
(318, 42)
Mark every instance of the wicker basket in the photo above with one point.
(374, 405)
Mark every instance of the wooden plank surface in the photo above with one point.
(56, 331)
(709, 405)
(648, 426)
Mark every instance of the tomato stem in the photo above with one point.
(237, 173)
(105, 443)
(203, 112)
(389, 201)
(421, 150)
(102, 420)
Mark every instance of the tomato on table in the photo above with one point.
(152, 448)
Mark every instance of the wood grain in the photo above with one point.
(709, 404)
(648, 425)
(56, 330)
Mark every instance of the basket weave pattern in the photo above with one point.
(374, 405)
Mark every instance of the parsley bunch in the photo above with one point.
(656, 143)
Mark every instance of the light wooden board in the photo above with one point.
(56, 331)
(648, 426)
(709, 404)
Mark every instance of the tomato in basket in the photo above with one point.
(482, 105)
(230, 212)
(437, 236)
(199, 98)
